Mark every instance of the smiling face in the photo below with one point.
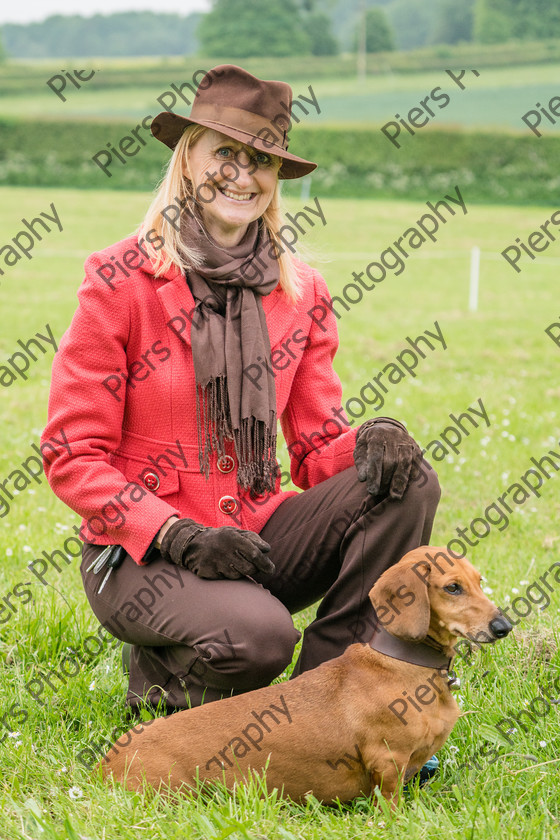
(233, 182)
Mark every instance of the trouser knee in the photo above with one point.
(424, 485)
(254, 656)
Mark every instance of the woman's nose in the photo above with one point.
(246, 167)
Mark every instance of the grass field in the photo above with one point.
(498, 98)
(499, 354)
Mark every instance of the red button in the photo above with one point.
(228, 504)
(151, 481)
(225, 463)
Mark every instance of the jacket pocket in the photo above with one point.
(162, 480)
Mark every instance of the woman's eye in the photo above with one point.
(224, 149)
(453, 588)
(263, 159)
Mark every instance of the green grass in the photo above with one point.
(498, 98)
(500, 354)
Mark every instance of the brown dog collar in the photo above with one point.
(415, 653)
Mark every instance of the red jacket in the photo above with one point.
(134, 458)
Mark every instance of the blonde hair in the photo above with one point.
(175, 190)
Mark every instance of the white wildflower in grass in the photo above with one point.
(505, 434)
(42, 509)
(14, 734)
(92, 685)
(9, 552)
(505, 422)
(511, 437)
(487, 590)
(505, 476)
(542, 743)
(523, 582)
(75, 793)
(515, 591)
(453, 749)
(485, 440)
(22, 527)
(27, 548)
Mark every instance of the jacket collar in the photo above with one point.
(178, 303)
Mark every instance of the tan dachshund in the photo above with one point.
(365, 719)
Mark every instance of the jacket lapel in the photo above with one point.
(178, 303)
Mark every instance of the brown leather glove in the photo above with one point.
(386, 457)
(214, 553)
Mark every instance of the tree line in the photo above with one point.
(243, 28)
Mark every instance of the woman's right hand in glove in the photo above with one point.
(214, 553)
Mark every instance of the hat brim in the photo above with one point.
(168, 127)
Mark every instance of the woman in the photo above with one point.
(190, 339)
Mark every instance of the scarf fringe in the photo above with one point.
(254, 442)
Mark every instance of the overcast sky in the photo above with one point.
(33, 10)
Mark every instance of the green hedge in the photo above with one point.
(361, 163)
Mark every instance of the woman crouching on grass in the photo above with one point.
(173, 443)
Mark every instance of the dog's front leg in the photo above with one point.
(387, 780)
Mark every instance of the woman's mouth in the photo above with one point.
(239, 197)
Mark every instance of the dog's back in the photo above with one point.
(363, 719)
(322, 732)
(282, 724)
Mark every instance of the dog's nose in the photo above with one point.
(500, 627)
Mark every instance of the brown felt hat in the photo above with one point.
(254, 111)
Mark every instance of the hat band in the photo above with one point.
(240, 120)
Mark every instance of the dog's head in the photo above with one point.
(429, 593)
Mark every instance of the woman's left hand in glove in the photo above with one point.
(386, 457)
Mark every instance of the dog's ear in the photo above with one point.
(401, 600)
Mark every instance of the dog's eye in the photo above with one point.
(453, 588)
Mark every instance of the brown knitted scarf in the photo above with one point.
(228, 334)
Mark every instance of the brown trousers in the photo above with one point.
(198, 640)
